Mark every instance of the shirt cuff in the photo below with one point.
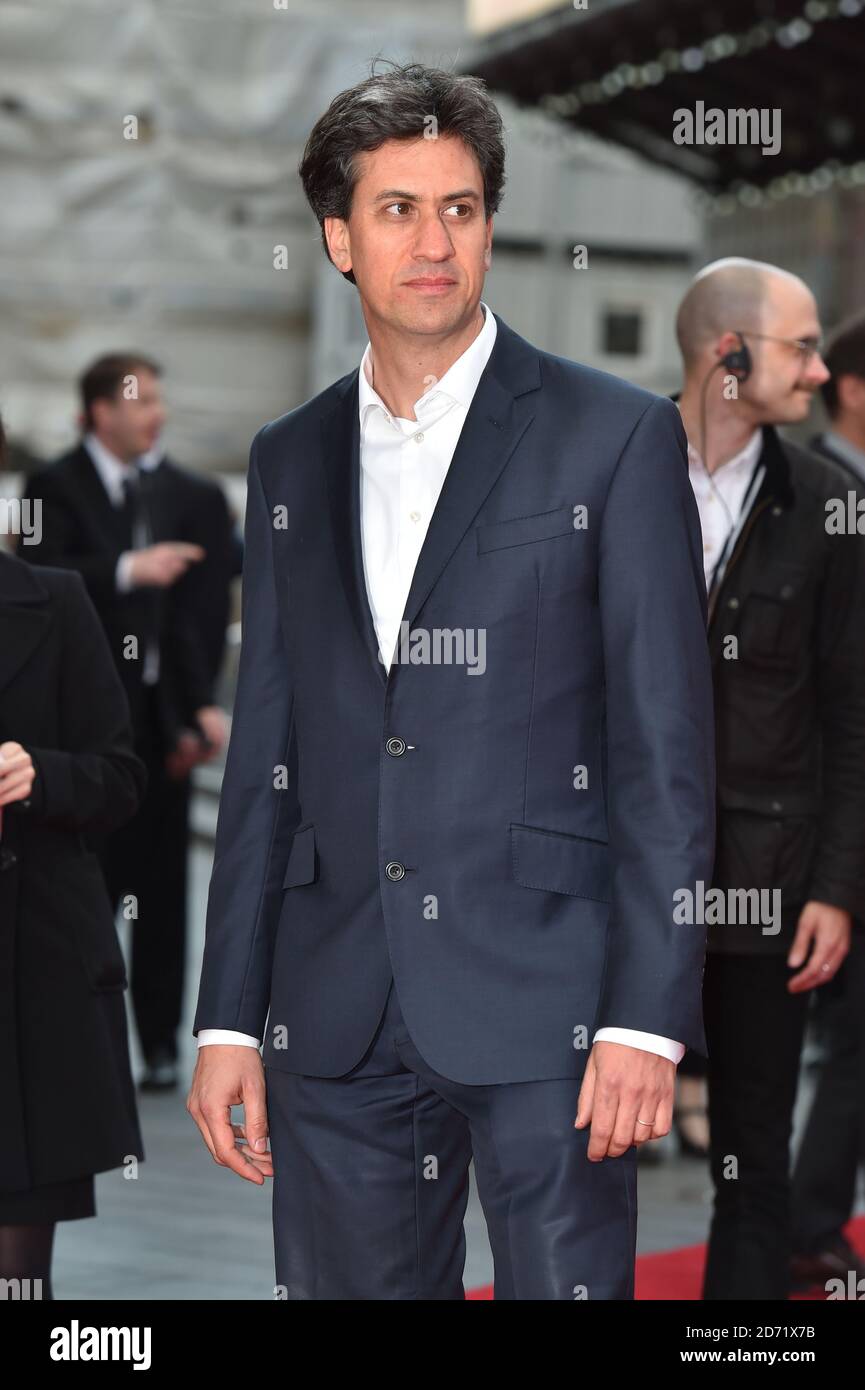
(122, 578)
(207, 1036)
(647, 1042)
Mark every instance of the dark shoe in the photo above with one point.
(833, 1260)
(161, 1072)
(687, 1147)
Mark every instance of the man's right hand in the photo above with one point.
(159, 566)
(227, 1074)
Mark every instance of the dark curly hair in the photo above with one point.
(397, 105)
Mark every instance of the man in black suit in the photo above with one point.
(153, 544)
(825, 1175)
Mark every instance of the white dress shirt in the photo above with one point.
(403, 465)
(720, 501)
(112, 473)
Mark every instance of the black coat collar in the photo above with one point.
(776, 485)
(19, 582)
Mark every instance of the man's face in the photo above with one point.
(416, 239)
(131, 423)
(784, 379)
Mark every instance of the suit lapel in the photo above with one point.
(493, 428)
(340, 443)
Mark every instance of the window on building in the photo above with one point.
(622, 332)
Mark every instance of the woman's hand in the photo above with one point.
(16, 773)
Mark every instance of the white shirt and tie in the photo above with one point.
(403, 465)
(113, 473)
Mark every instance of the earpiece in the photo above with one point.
(738, 362)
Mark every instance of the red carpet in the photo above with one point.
(676, 1275)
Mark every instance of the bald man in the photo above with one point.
(786, 623)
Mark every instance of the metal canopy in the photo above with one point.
(622, 68)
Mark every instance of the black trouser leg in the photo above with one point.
(754, 1031)
(25, 1256)
(833, 1145)
(147, 860)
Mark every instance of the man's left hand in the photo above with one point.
(825, 932)
(621, 1086)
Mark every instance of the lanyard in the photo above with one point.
(733, 534)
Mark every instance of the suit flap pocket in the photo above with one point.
(519, 530)
(301, 859)
(561, 863)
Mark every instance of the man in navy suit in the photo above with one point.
(470, 766)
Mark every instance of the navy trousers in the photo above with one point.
(371, 1182)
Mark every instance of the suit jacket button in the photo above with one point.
(733, 603)
(395, 871)
(396, 747)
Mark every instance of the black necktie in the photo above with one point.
(134, 510)
(129, 509)
(143, 604)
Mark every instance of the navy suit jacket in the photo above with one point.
(531, 902)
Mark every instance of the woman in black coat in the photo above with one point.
(67, 776)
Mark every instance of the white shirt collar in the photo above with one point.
(113, 470)
(459, 382)
(153, 457)
(743, 461)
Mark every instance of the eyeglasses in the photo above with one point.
(805, 346)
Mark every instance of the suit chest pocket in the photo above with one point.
(523, 530)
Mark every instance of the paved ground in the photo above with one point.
(187, 1229)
